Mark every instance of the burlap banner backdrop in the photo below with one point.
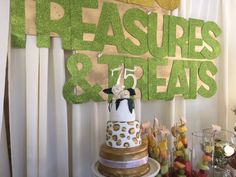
(166, 55)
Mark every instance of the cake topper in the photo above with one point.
(118, 91)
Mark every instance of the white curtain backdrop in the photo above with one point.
(4, 45)
(50, 138)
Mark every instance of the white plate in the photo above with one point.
(154, 169)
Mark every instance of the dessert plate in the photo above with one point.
(154, 169)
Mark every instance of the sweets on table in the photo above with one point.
(182, 166)
(157, 137)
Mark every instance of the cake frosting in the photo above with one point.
(123, 134)
(122, 113)
(122, 106)
(123, 154)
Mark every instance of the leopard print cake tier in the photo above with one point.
(123, 134)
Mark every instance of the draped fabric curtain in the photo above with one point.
(4, 45)
(51, 138)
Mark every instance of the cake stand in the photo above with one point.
(154, 169)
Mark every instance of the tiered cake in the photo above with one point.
(123, 154)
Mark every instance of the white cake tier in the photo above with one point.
(122, 113)
(123, 134)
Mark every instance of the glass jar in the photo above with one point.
(202, 153)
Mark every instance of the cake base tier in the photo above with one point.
(124, 154)
(117, 172)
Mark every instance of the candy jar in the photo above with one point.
(158, 146)
(202, 153)
(182, 166)
(224, 146)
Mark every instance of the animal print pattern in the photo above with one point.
(122, 134)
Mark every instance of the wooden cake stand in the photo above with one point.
(154, 169)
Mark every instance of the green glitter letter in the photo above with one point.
(113, 61)
(45, 25)
(211, 41)
(177, 74)
(78, 80)
(18, 23)
(129, 19)
(79, 28)
(182, 41)
(154, 81)
(208, 80)
(152, 36)
(142, 83)
(109, 18)
(193, 41)
(193, 75)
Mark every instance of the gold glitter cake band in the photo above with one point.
(129, 172)
(125, 154)
(119, 157)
